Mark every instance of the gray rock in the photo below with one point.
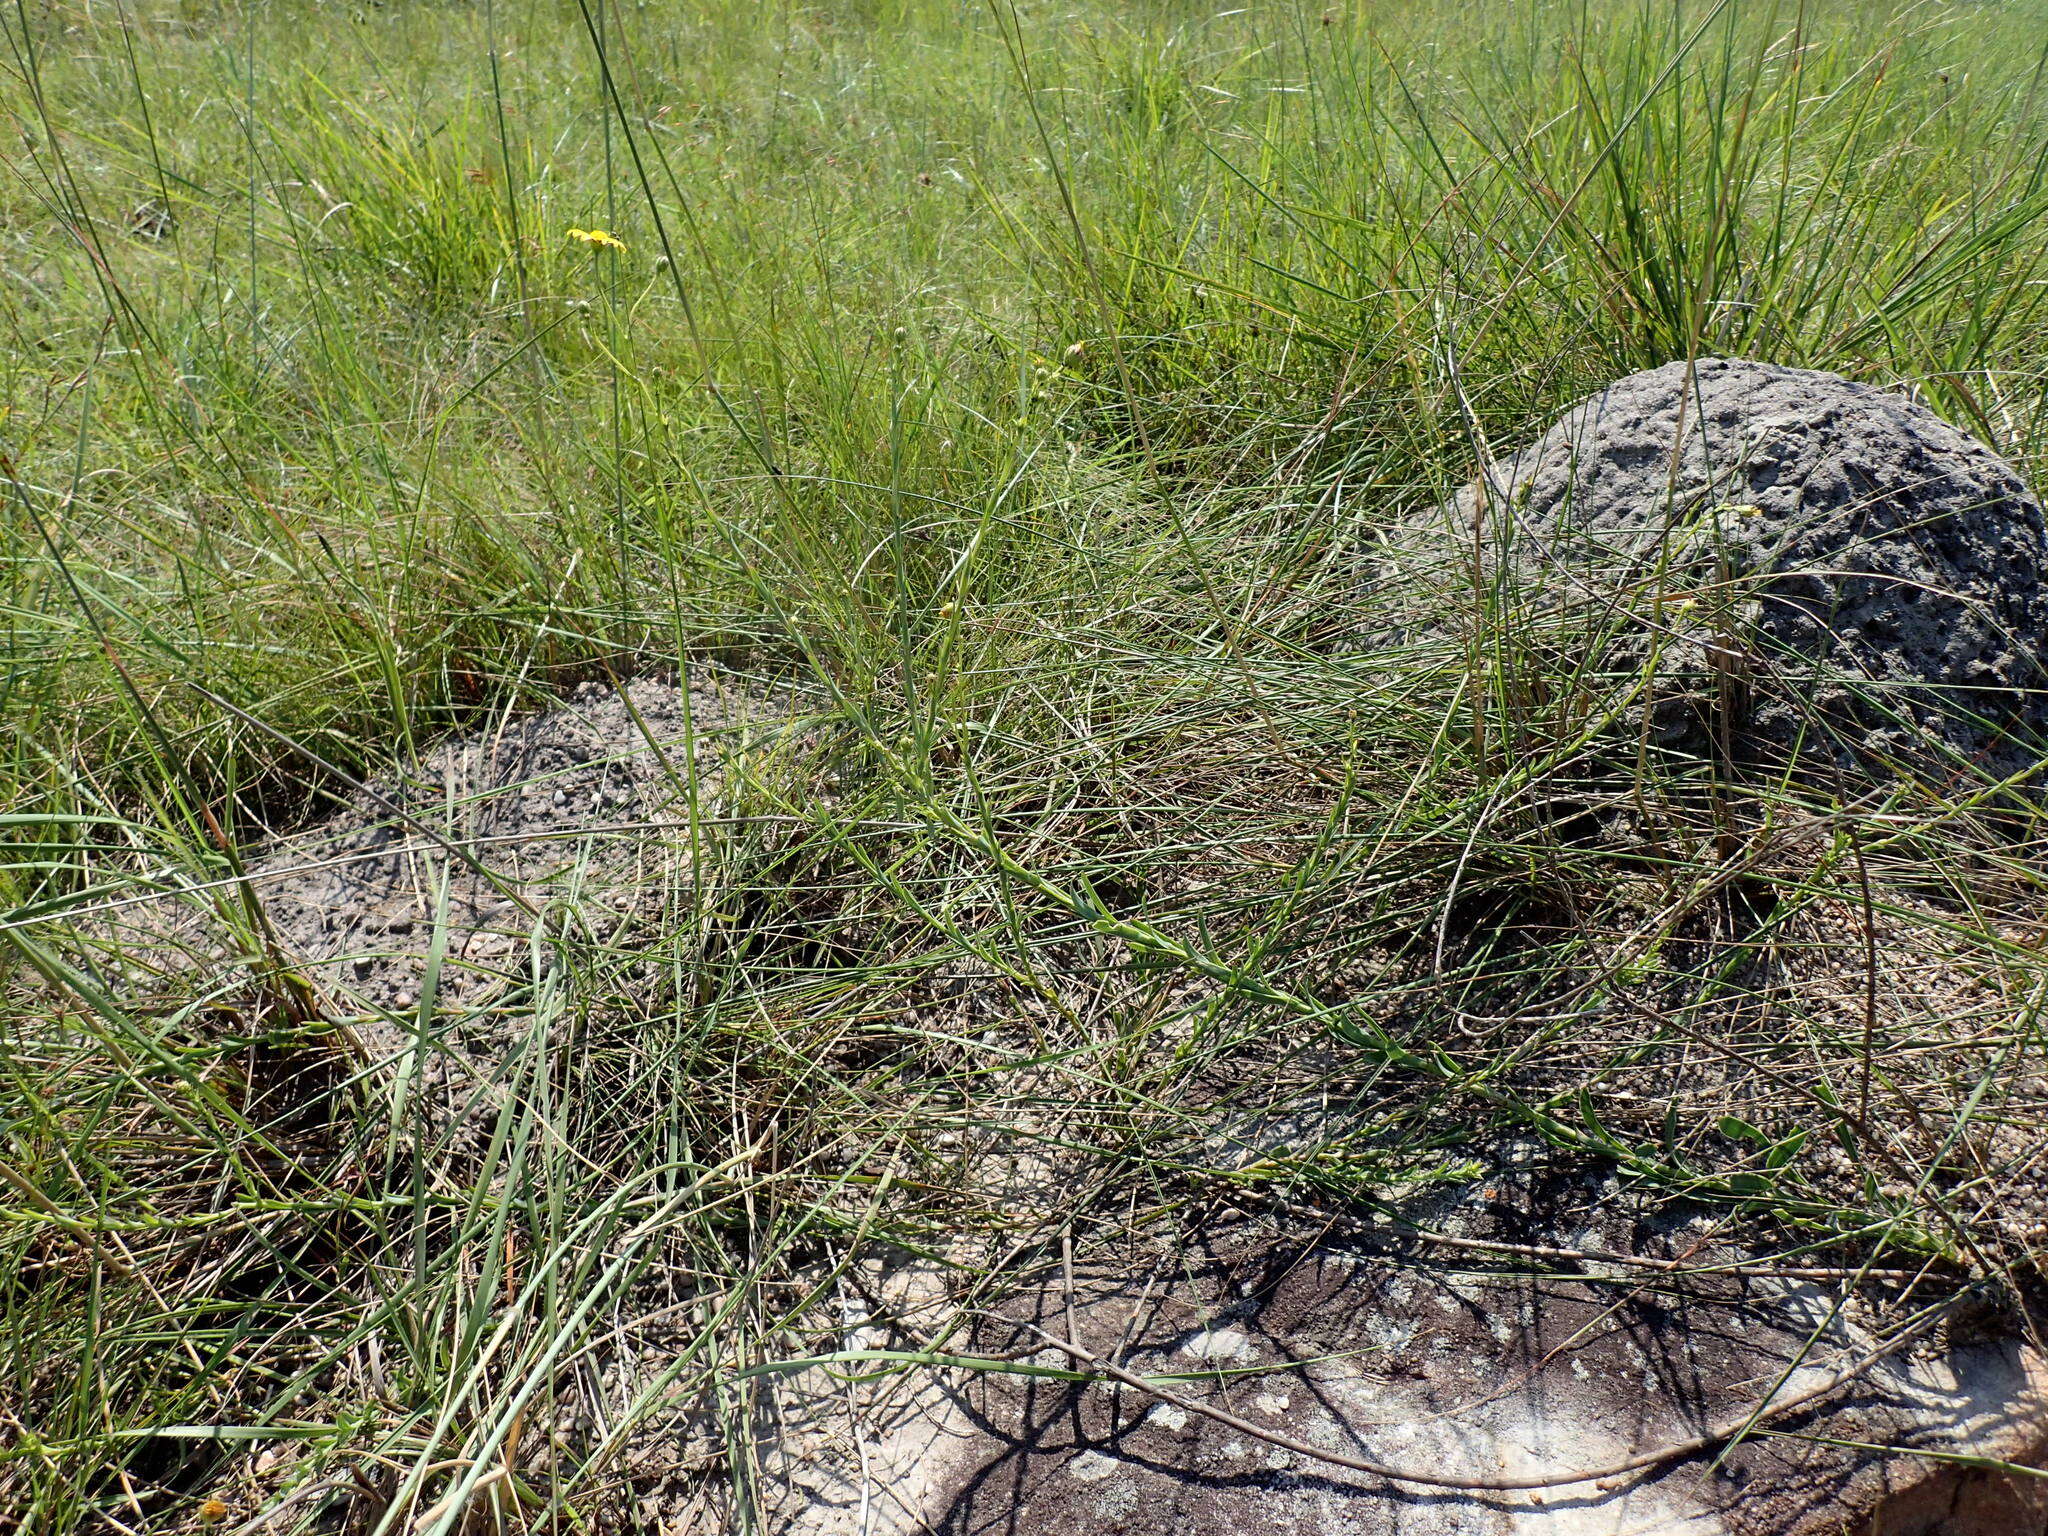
(591, 818)
(1445, 1363)
(1807, 565)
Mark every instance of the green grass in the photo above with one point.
(1015, 386)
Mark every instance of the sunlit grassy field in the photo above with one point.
(1010, 391)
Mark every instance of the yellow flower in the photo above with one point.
(598, 239)
(212, 1512)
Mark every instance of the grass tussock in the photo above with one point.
(1012, 394)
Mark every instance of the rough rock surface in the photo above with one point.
(1812, 560)
(1456, 1362)
(598, 814)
